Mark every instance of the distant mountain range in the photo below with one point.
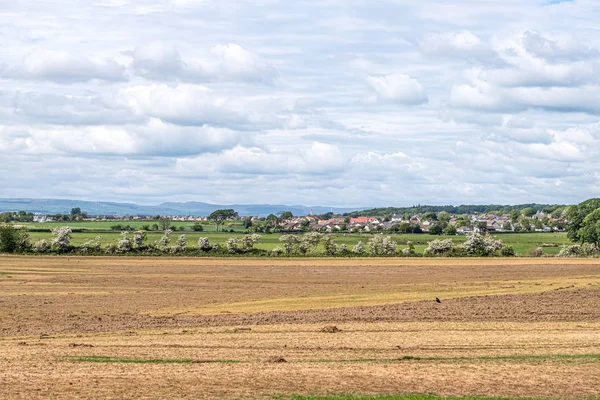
(60, 206)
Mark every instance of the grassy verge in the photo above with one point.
(394, 397)
(457, 359)
(104, 359)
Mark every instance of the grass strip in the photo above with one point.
(454, 359)
(399, 397)
(104, 359)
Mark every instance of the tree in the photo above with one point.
(284, 215)
(197, 227)
(404, 227)
(576, 216)
(590, 230)
(247, 224)
(444, 216)
(219, 216)
(429, 216)
(13, 240)
(450, 230)
(165, 223)
(305, 225)
(436, 229)
(328, 215)
(76, 211)
(482, 226)
(529, 212)
(514, 216)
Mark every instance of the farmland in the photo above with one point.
(115, 327)
(523, 243)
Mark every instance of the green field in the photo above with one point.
(522, 243)
(103, 226)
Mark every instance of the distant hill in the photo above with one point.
(56, 206)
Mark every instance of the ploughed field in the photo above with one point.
(104, 327)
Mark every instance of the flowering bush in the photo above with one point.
(61, 239)
(342, 249)
(232, 245)
(537, 252)
(92, 245)
(277, 251)
(478, 245)
(138, 239)
(41, 246)
(181, 243)
(359, 248)
(584, 250)
(204, 244)
(289, 243)
(248, 241)
(312, 240)
(329, 248)
(382, 246)
(409, 250)
(507, 251)
(439, 247)
(124, 245)
(164, 241)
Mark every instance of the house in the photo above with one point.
(463, 229)
(364, 220)
(415, 220)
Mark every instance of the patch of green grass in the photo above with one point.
(105, 359)
(394, 397)
(456, 359)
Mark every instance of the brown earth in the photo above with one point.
(505, 327)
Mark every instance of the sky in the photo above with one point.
(330, 102)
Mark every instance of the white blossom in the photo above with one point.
(61, 238)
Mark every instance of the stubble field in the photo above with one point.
(74, 327)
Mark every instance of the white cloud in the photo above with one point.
(222, 63)
(319, 158)
(189, 105)
(451, 43)
(155, 138)
(63, 67)
(157, 60)
(197, 97)
(397, 88)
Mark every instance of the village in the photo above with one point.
(433, 223)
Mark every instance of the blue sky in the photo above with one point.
(342, 103)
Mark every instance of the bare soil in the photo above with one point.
(189, 328)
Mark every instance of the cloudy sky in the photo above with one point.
(330, 102)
